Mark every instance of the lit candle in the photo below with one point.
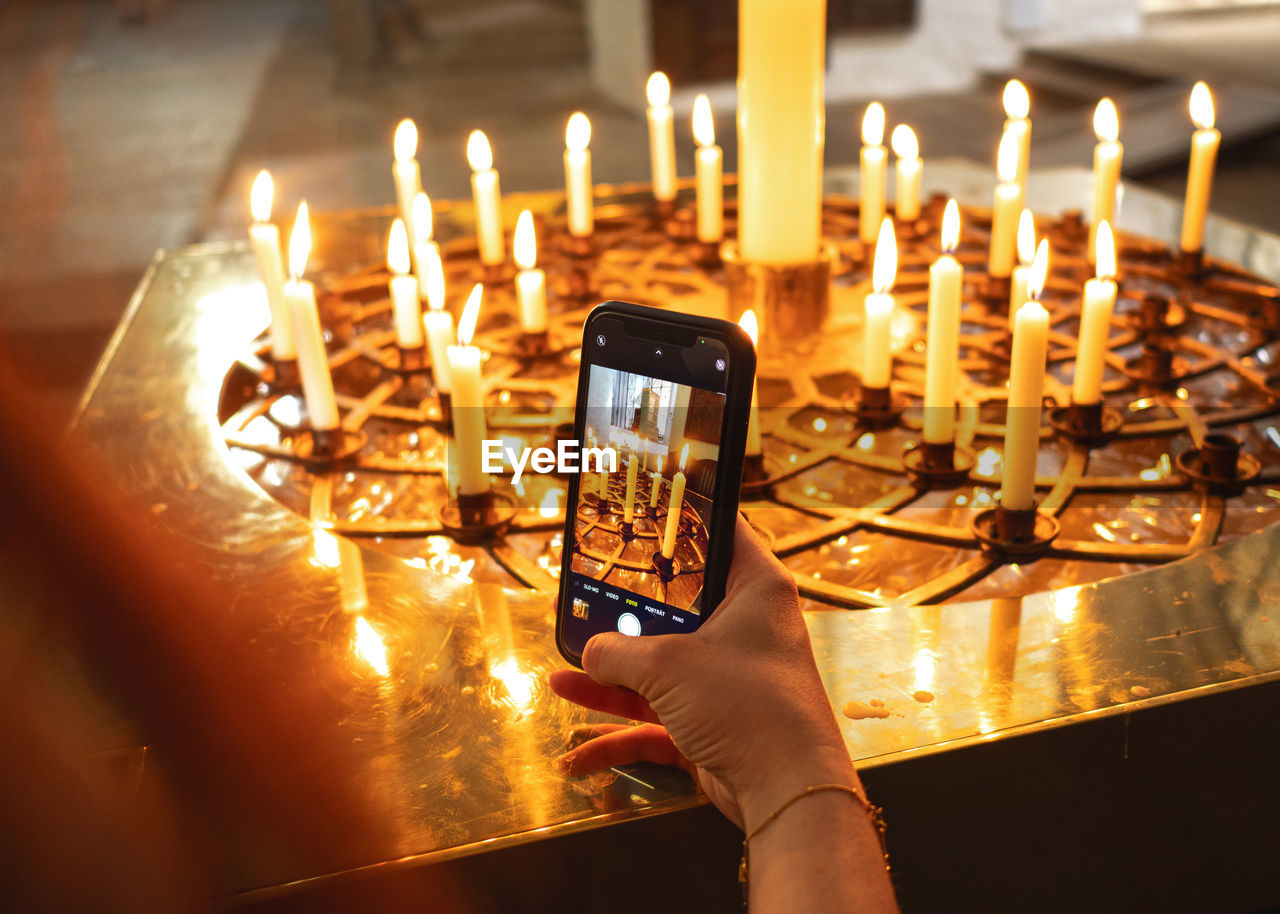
(709, 156)
(754, 444)
(405, 170)
(531, 283)
(1026, 392)
(1107, 155)
(1204, 150)
(313, 363)
(662, 137)
(577, 175)
(469, 428)
(781, 121)
(872, 181)
(1022, 272)
(656, 488)
(420, 231)
(265, 238)
(629, 508)
(1005, 209)
(487, 198)
(908, 172)
(1095, 322)
(437, 322)
(1017, 105)
(405, 308)
(675, 505)
(877, 360)
(946, 281)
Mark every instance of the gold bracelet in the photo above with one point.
(875, 813)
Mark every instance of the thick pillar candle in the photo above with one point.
(781, 124)
(708, 164)
(1095, 323)
(469, 427)
(531, 283)
(1026, 393)
(1005, 208)
(877, 359)
(1017, 105)
(908, 172)
(406, 309)
(313, 362)
(871, 181)
(1204, 152)
(942, 352)
(751, 327)
(675, 507)
(1022, 272)
(265, 238)
(629, 508)
(662, 137)
(577, 175)
(437, 322)
(405, 170)
(487, 198)
(1107, 156)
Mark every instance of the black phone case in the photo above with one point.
(733, 444)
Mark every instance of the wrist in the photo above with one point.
(764, 794)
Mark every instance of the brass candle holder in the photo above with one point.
(479, 518)
(792, 300)
(1087, 423)
(1218, 466)
(937, 464)
(1014, 535)
(320, 448)
(878, 407)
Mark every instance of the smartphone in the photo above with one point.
(663, 403)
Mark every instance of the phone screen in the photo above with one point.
(643, 522)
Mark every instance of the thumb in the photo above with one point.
(612, 658)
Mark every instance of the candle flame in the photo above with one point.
(904, 142)
(658, 89)
(434, 279)
(1039, 270)
(873, 125)
(1026, 238)
(950, 227)
(260, 197)
(750, 326)
(885, 268)
(420, 213)
(684, 456)
(577, 135)
(661, 461)
(479, 155)
(398, 249)
(1201, 106)
(1017, 103)
(704, 127)
(525, 245)
(470, 314)
(300, 242)
(406, 141)
(1104, 247)
(369, 647)
(1106, 123)
(1007, 157)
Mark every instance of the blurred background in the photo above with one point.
(132, 125)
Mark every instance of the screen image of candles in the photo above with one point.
(655, 505)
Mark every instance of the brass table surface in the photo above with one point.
(462, 732)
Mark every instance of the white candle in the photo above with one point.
(1026, 392)
(942, 353)
(1204, 151)
(755, 446)
(313, 362)
(487, 198)
(1022, 272)
(629, 508)
(1017, 105)
(909, 171)
(420, 230)
(781, 122)
(577, 175)
(872, 174)
(406, 310)
(877, 360)
(531, 283)
(675, 506)
(1095, 322)
(656, 485)
(469, 427)
(1005, 209)
(405, 170)
(1107, 155)
(265, 238)
(662, 137)
(437, 322)
(709, 184)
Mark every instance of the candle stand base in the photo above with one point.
(791, 300)
(667, 568)
(755, 477)
(912, 229)
(1156, 366)
(877, 407)
(1014, 536)
(627, 531)
(995, 293)
(410, 360)
(1218, 466)
(533, 345)
(475, 519)
(662, 210)
(445, 399)
(1190, 264)
(706, 254)
(580, 246)
(1157, 314)
(323, 447)
(936, 466)
(492, 274)
(682, 226)
(1087, 423)
(281, 374)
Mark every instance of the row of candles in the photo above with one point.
(675, 503)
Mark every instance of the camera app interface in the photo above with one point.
(642, 522)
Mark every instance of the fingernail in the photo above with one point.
(564, 762)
